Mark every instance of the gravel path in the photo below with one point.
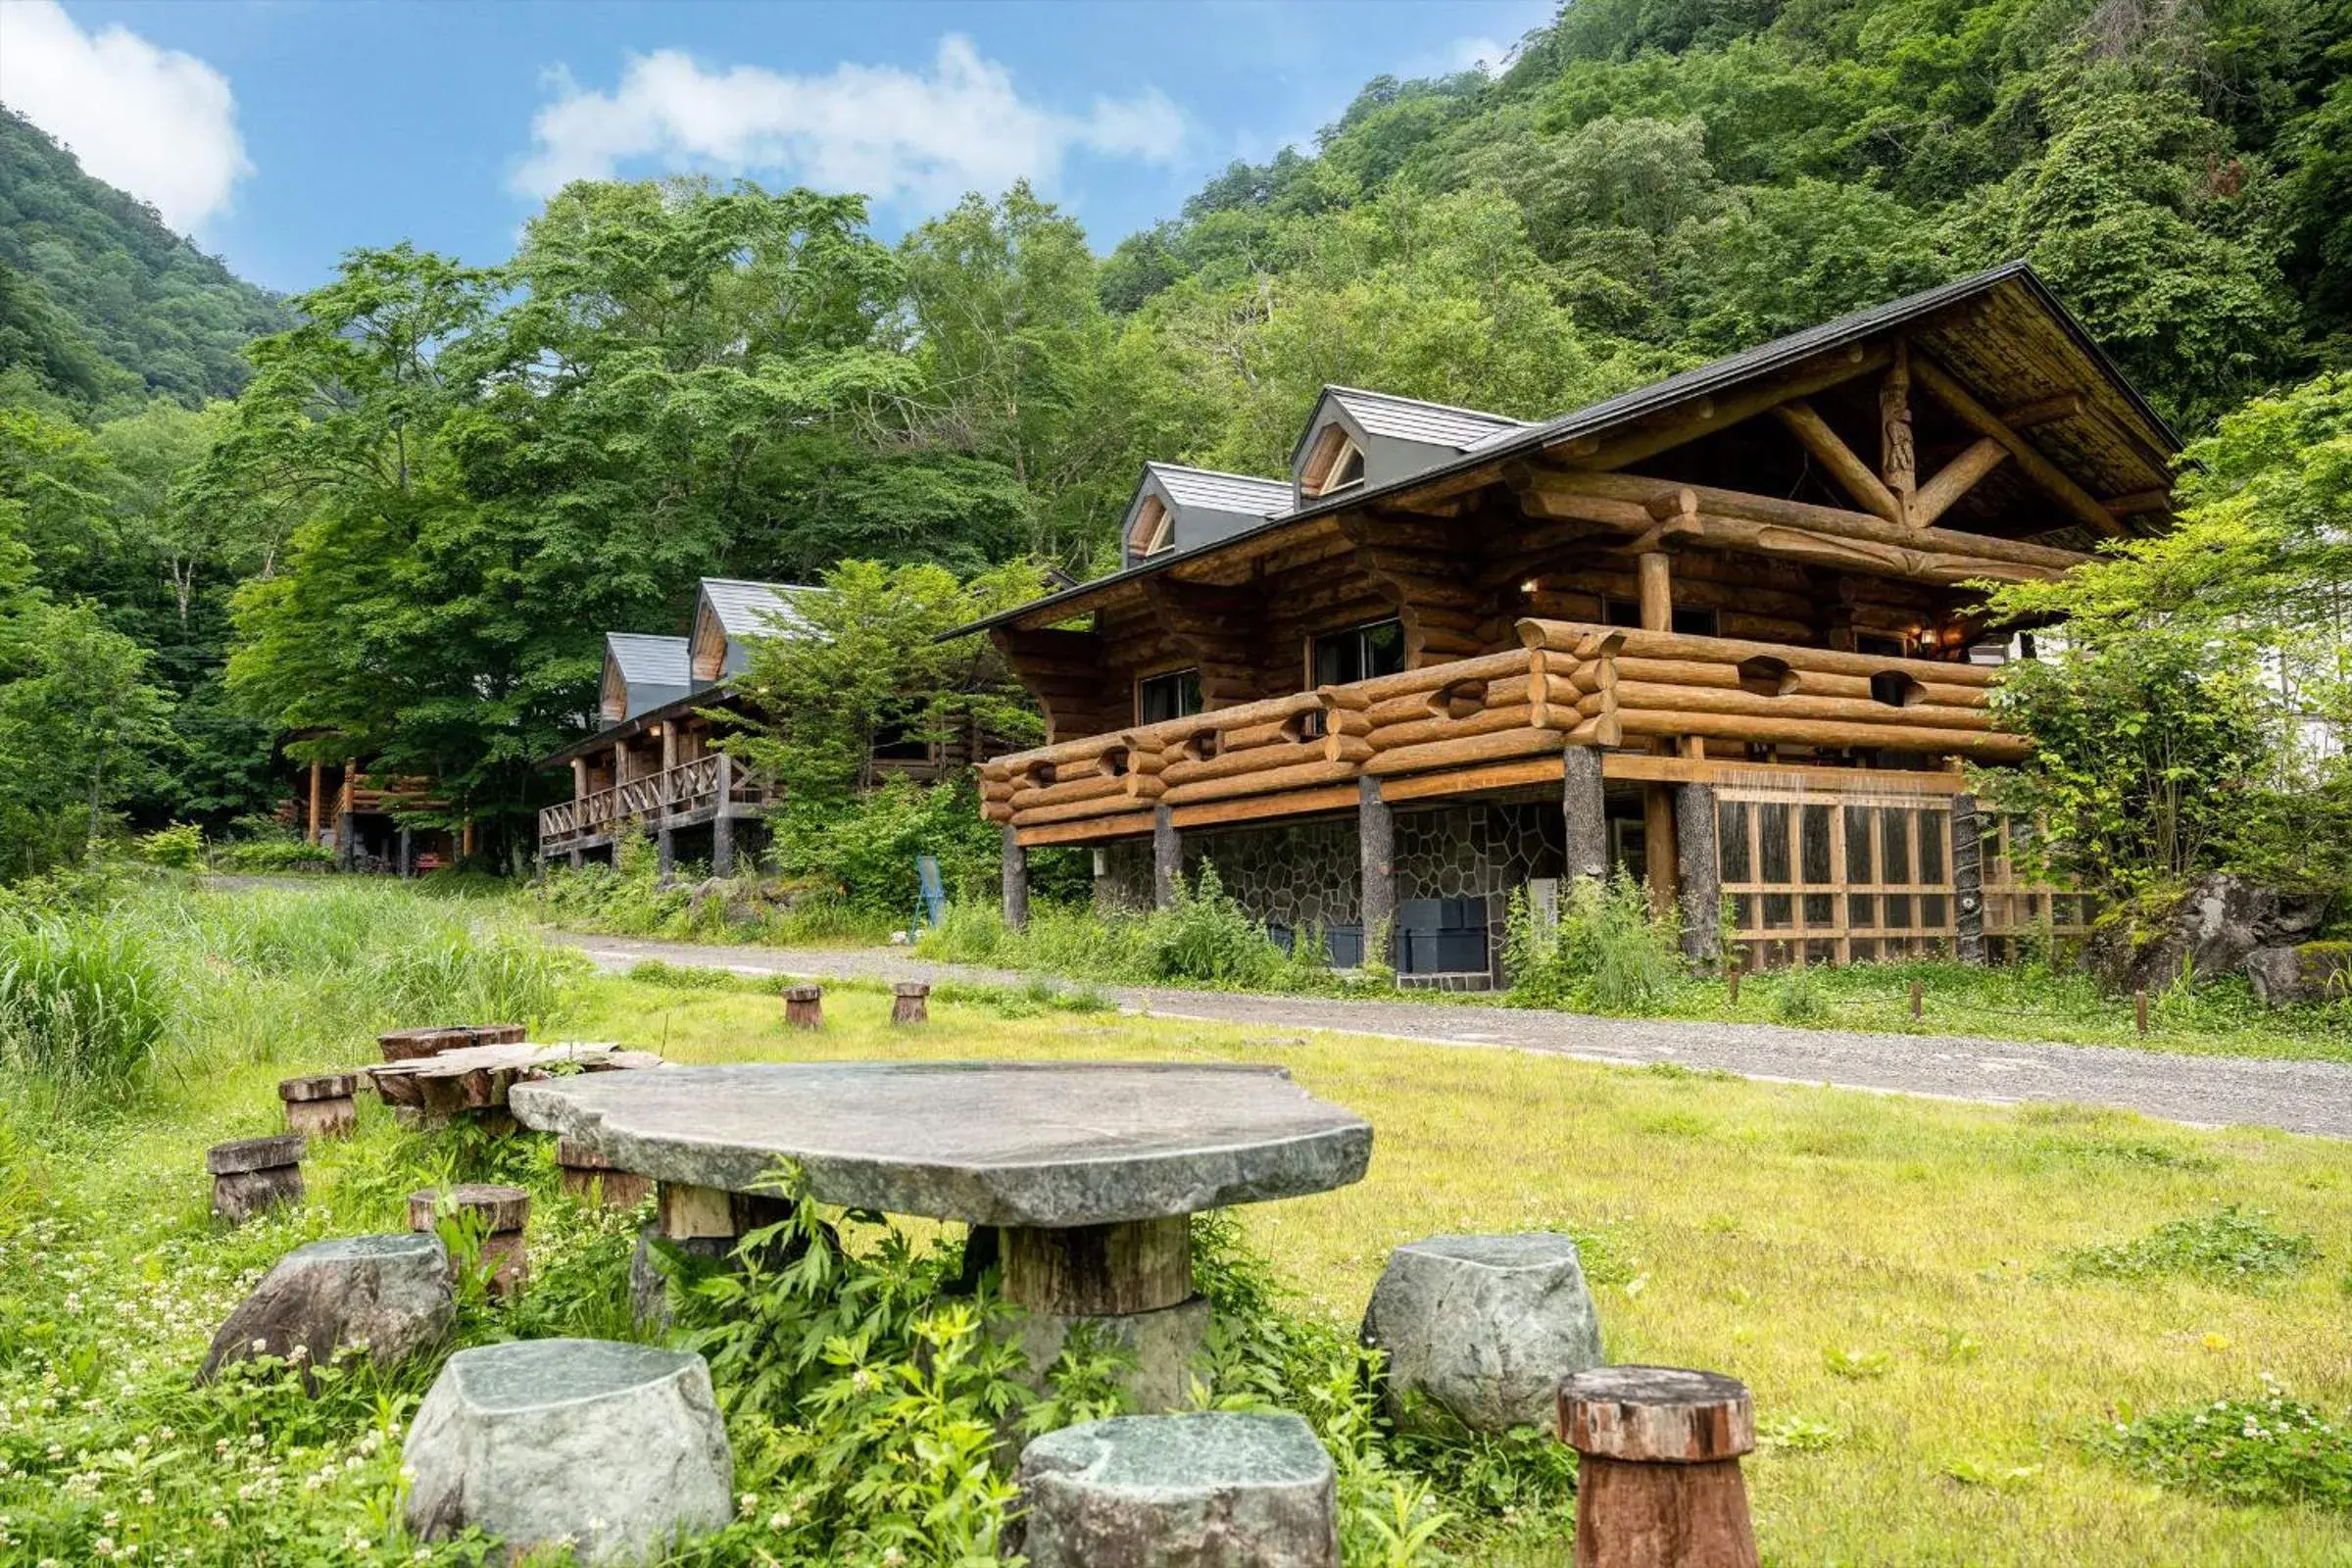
(2303, 1097)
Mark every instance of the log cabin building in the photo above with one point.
(1724, 632)
(651, 765)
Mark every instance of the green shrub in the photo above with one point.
(1797, 997)
(263, 855)
(1606, 954)
(84, 1000)
(2227, 1247)
(2269, 1449)
(179, 847)
(1205, 936)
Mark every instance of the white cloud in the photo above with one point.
(156, 122)
(1483, 55)
(882, 130)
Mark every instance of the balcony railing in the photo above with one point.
(651, 802)
(1568, 684)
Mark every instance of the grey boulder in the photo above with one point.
(616, 1449)
(2316, 971)
(1483, 1328)
(1209, 1490)
(2217, 925)
(389, 1295)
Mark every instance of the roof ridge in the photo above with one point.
(1216, 473)
(1428, 403)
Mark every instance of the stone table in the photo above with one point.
(1089, 1171)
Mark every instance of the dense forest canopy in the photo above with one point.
(405, 536)
(99, 300)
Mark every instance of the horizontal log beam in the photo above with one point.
(1649, 768)
(1569, 635)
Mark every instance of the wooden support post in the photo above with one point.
(1658, 591)
(591, 1177)
(312, 830)
(665, 849)
(1968, 881)
(1898, 463)
(466, 840)
(1016, 881)
(1701, 871)
(1658, 846)
(1376, 862)
(346, 841)
(722, 825)
(1586, 813)
(1918, 999)
(1658, 1481)
(407, 851)
(1168, 858)
(665, 841)
(1099, 1270)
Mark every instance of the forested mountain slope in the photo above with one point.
(99, 300)
(1658, 181)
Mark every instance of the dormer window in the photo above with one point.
(1155, 529)
(1336, 462)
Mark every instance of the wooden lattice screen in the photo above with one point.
(1845, 876)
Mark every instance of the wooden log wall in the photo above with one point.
(1569, 683)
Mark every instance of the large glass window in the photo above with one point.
(1174, 695)
(1360, 653)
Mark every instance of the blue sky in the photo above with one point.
(283, 133)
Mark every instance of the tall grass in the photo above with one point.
(84, 1001)
(1204, 938)
(1606, 951)
(166, 976)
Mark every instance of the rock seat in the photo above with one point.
(1207, 1490)
(389, 1295)
(1482, 1328)
(619, 1448)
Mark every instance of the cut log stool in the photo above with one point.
(910, 1001)
(1658, 1467)
(255, 1174)
(321, 1106)
(592, 1178)
(804, 1006)
(503, 1210)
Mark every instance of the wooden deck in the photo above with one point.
(685, 795)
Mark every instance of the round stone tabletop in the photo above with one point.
(1023, 1144)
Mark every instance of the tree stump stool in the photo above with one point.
(590, 1177)
(614, 1449)
(255, 1174)
(1658, 1467)
(320, 1106)
(1207, 1490)
(412, 1044)
(502, 1213)
(910, 1001)
(804, 1006)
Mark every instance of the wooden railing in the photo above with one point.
(657, 798)
(1568, 684)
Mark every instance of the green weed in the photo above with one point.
(2265, 1449)
(2229, 1247)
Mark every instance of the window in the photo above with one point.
(1335, 464)
(1155, 529)
(1881, 645)
(1360, 653)
(1174, 695)
(1689, 619)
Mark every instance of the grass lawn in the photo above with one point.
(1882, 1271)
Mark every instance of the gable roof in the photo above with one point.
(1413, 419)
(1221, 492)
(645, 659)
(753, 609)
(1689, 386)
